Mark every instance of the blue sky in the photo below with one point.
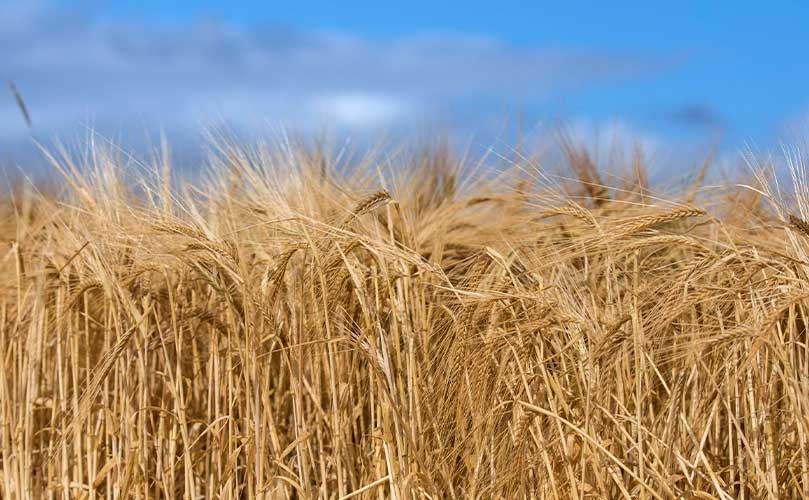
(677, 74)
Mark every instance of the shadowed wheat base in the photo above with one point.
(285, 330)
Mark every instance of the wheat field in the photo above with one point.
(407, 324)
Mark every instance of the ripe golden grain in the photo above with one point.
(257, 342)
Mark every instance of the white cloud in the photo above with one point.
(73, 68)
(357, 109)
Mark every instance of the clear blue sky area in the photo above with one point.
(735, 70)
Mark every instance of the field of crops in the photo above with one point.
(403, 325)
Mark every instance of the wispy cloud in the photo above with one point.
(697, 116)
(77, 67)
